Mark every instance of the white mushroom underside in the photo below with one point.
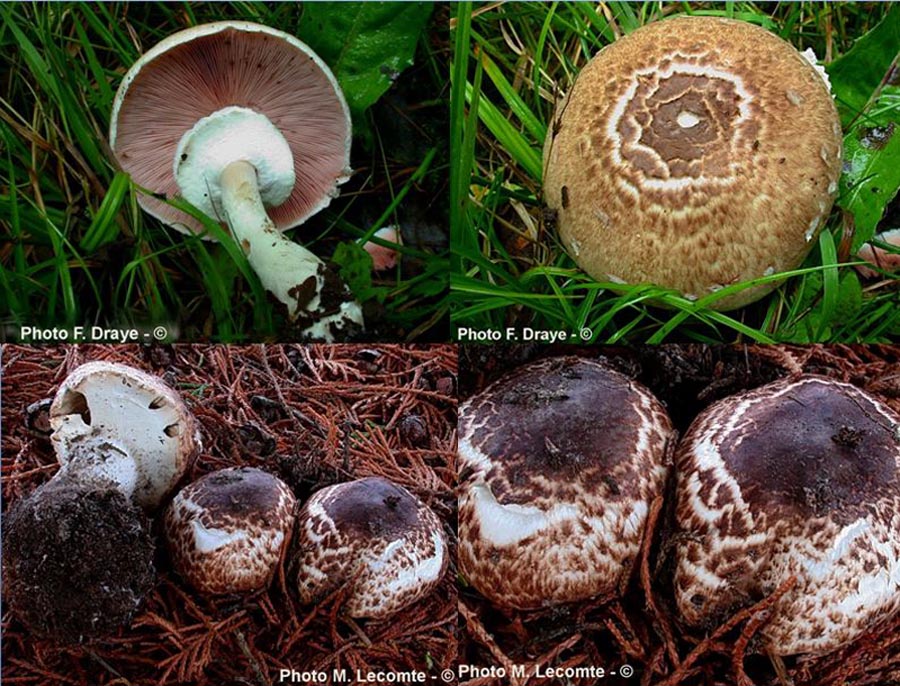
(138, 419)
(229, 135)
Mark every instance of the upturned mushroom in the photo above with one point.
(247, 124)
(375, 536)
(694, 153)
(125, 424)
(78, 552)
(799, 478)
(226, 532)
(559, 462)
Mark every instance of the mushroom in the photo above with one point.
(384, 258)
(694, 153)
(126, 425)
(77, 559)
(799, 478)
(249, 125)
(879, 257)
(376, 537)
(559, 462)
(226, 531)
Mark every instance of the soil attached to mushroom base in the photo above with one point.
(312, 415)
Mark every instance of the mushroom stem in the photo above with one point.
(289, 271)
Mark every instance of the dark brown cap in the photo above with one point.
(227, 530)
(559, 462)
(798, 477)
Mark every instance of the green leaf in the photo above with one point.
(366, 44)
(856, 75)
(104, 228)
(849, 299)
(356, 271)
(871, 175)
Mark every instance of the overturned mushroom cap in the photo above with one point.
(694, 153)
(106, 414)
(879, 257)
(237, 65)
(374, 535)
(796, 478)
(226, 531)
(77, 560)
(559, 462)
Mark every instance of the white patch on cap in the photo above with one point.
(505, 525)
(687, 120)
(208, 540)
(133, 411)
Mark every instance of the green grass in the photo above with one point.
(511, 62)
(75, 247)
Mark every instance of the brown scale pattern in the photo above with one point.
(731, 219)
(560, 433)
(247, 503)
(375, 537)
(779, 488)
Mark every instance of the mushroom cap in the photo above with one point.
(559, 462)
(226, 531)
(797, 477)
(104, 412)
(374, 535)
(879, 257)
(198, 71)
(77, 560)
(384, 258)
(694, 153)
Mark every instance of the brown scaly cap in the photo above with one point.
(693, 153)
(559, 462)
(227, 530)
(793, 478)
(372, 534)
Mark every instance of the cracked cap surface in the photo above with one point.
(694, 153)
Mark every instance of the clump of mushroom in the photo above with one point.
(226, 532)
(250, 126)
(694, 153)
(799, 478)
(78, 552)
(375, 536)
(559, 462)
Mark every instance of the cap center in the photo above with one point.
(687, 120)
